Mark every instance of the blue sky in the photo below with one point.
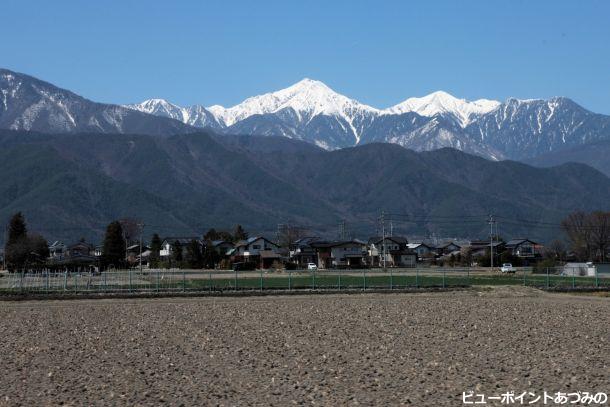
(380, 53)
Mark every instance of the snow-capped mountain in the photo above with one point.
(527, 128)
(440, 102)
(311, 111)
(308, 110)
(196, 115)
(27, 103)
(308, 98)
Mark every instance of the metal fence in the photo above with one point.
(174, 280)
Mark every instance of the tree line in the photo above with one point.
(587, 239)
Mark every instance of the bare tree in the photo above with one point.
(556, 250)
(131, 230)
(288, 234)
(589, 234)
(599, 223)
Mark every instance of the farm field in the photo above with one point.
(215, 280)
(370, 349)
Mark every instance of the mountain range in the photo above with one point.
(71, 185)
(312, 112)
(305, 155)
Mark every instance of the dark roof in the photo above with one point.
(447, 244)
(517, 242)
(485, 243)
(306, 241)
(183, 240)
(216, 243)
(335, 243)
(81, 244)
(252, 240)
(395, 239)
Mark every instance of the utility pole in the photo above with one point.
(141, 225)
(391, 228)
(383, 236)
(342, 230)
(5, 244)
(491, 240)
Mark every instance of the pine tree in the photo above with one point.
(17, 230)
(155, 248)
(17, 247)
(210, 256)
(193, 252)
(177, 252)
(211, 234)
(113, 252)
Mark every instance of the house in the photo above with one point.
(421, 249)
(80, 256)
(523, 248)
(479, 248)
(302, 252)
(259, 250)
(222, 247)
(133, 253)
(81, 249)
(392, 249)
(57, 250)
(341, 254)
(168, 244)
(448, 248)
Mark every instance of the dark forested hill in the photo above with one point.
(597, 155)
(72, 185)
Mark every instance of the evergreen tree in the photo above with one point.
(17, 247)
(22, 250)
(17, 229)
(240, 233)
(177, 252)
(39, 249)
(210, 256)
(113, 252)
(194, 257)
(211, 234)
(155, 248)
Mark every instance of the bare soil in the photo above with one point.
(369, 349)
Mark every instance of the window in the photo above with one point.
(256, 246)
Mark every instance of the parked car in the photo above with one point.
(507, 268)
(312, 266)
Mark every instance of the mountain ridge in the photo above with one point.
(74, 184)
(514, 129)
(310, 111)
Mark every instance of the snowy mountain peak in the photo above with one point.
(308, 98)
(161, 107)
(441, 102)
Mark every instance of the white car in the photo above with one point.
(507, 268)
(312, 266)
